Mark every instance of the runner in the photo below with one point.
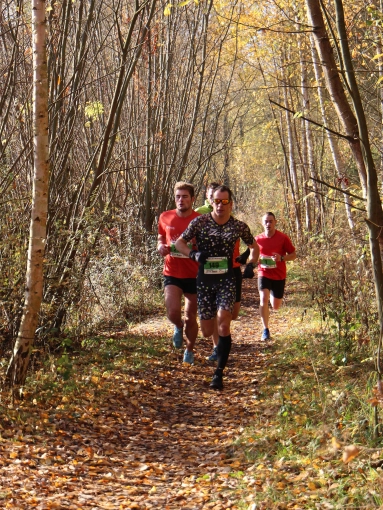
(237, 261)
(276, 249)
(179, 271)
(216, 235)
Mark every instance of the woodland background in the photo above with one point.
(143, 94)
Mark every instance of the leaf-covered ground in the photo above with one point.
(124, 424)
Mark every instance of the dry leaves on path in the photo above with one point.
(129, 437)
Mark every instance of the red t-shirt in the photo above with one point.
(171, 226)
(278, 243)
(236, 254)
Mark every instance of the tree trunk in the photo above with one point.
(332, 141)
(17, 368)
(335, 87)
(357, 130)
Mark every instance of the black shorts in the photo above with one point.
(276, 287)
(238, 283)
(187, 285)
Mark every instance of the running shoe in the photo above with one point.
(214, 355)
(265, 334)
(188, 357)
(178, 337)
(216, 383)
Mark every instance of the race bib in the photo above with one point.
(175, 253)
(267, 262)
(216, 265)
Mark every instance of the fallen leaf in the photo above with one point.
(350, 452)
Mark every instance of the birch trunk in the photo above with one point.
(332, 141)
(335, 87)
(356, 128)
(292, 165)
(17, 368)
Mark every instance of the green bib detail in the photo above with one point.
(216, 265)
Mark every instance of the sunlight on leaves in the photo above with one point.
(350, 453)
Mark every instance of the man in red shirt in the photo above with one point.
(276, 249)
(179, 271)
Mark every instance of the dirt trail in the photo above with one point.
(162, 440)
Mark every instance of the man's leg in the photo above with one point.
(264, 296)
(173, 299)
(276, 303)
(223, 347)
(191, 326)
(238, 292)
(207, 327)
(214, 337)
(236, 309)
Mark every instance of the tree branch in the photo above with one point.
(338, 189)
(348, 138)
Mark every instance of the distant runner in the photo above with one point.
(276, 249)
(237, 261)
(216, 235)
(179, 271)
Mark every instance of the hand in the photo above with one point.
(243, 257)
(199, 256)
(163, 249)
(249, 271)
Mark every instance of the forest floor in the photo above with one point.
(123, 423)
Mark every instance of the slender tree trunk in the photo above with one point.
(335, 87)
(332, 141)
(357, 130)
(17, 369)
(295, 195)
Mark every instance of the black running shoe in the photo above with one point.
(216, 383)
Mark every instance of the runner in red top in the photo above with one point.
(179, 271)
(276, 249)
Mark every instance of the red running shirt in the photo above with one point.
(171, 226)
(278, 243)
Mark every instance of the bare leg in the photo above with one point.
(264, 296)
(237, 306)
(191, 326)
(173, 299)
(276, 303)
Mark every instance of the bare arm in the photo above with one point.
(182, 246)
(287, 258)
(254, 253)
(290, 256)
(162, 247)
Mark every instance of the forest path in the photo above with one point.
(149, 437)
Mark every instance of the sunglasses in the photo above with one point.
(223, 201)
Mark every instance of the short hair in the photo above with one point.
(269, 213)
(222, 189)
(184, 185)
(213, 185)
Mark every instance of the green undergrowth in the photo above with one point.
(84, 369)
(315, 442)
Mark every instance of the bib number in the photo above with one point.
(267, 262)
(175, 253)
(216, 265)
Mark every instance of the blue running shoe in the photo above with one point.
(188, 357)
(178, 337)
(213, 356)
(265, 334)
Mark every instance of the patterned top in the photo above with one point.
(217, 240)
